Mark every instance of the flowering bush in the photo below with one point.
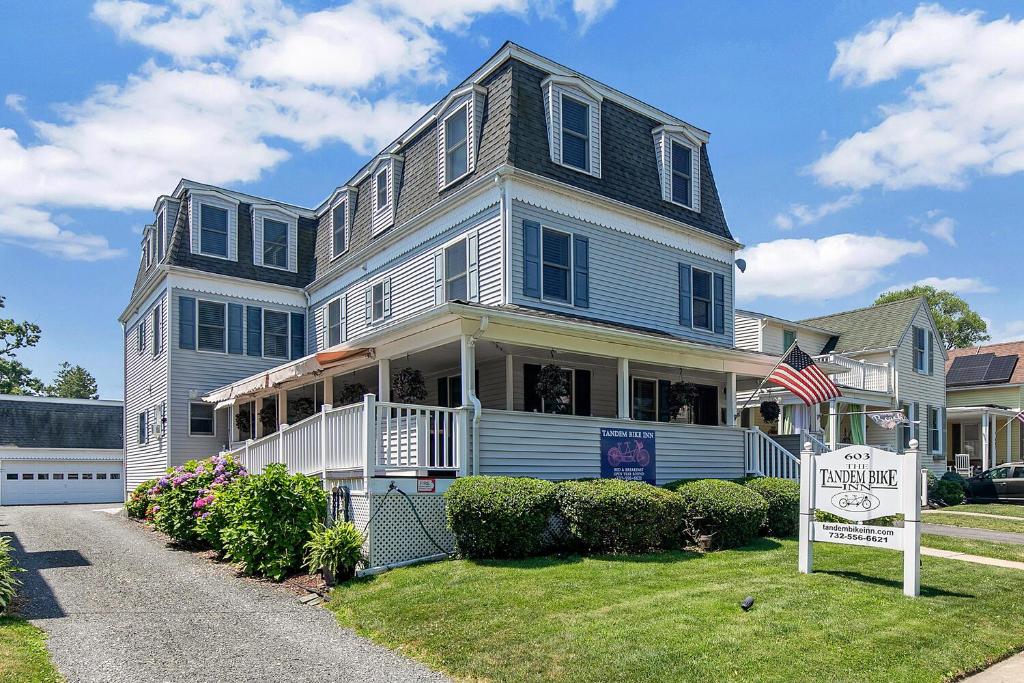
(183, 496)
(139, 500)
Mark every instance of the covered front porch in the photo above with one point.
(981, 437)
(471, 389)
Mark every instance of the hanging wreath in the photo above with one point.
(681, 394)
(553, 387)
(770, 411)
(408, 386)
(351, 393)
(268, 417)
(243, 421)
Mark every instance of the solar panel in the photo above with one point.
(1001, 369)
(969, 369)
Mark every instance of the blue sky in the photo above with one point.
(856, 145)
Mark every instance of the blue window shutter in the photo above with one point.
(369, 304)
(928, 350)
(254, 330)
(387, 298)
(298, 335)
(439, 278)
(685, 292)
(473, 267)
(186, 322)
(235, 328)
(581, 268)
(719, 304)
(531, 259)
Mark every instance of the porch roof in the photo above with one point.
(978, 411)
(312, 364)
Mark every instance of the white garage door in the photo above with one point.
(50, 482)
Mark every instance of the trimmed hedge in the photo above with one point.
(730, 514)
(499, 516)
(608, 515)
(949, 492)
(783, 498)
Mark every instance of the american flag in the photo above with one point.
(798, 373)
(1020, 416)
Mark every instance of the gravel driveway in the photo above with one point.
(118, 605)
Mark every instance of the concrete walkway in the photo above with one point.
(118, 605)
(1007, 671)
(976, 559)
(948, 511)
(967, 532)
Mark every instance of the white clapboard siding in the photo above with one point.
(923, 389)
(632, 280)
(145, 389)
(748, 332)
(566, 447)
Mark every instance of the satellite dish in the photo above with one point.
(741, 264)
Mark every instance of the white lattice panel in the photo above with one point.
(396, 536)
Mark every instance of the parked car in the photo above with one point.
(1004, 483)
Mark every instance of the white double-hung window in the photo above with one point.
(456, 142)
(575, 133)
(572, 112)
(456, 285)
(678, 151)
(335, 322)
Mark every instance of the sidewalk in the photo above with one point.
(1007, 671)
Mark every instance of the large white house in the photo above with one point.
(533, 218)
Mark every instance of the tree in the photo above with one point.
(958, 325)
(73, 381)
(15, 378)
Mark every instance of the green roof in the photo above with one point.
(873, 327)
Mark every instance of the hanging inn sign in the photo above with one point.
(861, 483)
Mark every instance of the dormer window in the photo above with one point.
(382, 190)
(275, 237)
(575, 133)
(572, 112)
(213, 224)
(385, 192)
(213, 230)
(160, 236)
(456, 142)
(339, 228)
(678, 150)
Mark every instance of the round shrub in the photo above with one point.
(783, 498)
(335, 549)
(499, 516)
(138, 500)
(268, 518)
(955, 477)
(182, 495)
(608, 515)
(949, 492)
(730, 514)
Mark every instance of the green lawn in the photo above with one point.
(23, 654)
(1004, 509)
(1002, 551)
(676, 616)
(950, 519)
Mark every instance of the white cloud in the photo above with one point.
(247, 80)
(1011, 330)
(804, 214)
(943, 229)
(963, 115)
(589, 11)
(837, 265)
(958, 285)
(15, 102)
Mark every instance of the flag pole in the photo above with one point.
(761, 385)
(1009, 422)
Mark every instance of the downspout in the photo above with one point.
(473, 399)
(506, 238)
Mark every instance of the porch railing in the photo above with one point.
(365, 436)
(859, 374)
(767, 458)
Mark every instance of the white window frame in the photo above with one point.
(157, 332)
(343, 205)
(262, 212)
(340, 322)
(161, 240)
(219, 200)
(936, 428)
(694, 160)
(925, 351)
(570, 291)
(287, 334)
(693, 299)
(444, 259)
(373, 302)
(633, 394)
(227, 230)
(561, 131)
(287, 245)
(462, 109)
(213, 419)
(142, 428)
(219, 303)
(140, 332)
(384, 170)
(554, 88)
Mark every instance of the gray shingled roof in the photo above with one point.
(53, 424)
(874, 327)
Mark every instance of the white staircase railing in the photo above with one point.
(860, 374)
(766, 458)
(419, 436)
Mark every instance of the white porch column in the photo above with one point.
(257, 426)
(833, 424)
(623, 412)
(467, 357)
(384, 379)
(730, 399)
(509, 379)
(328, 391)
(1009, 439)
(984, 440)
(282, 408)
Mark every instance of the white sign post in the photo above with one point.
(859, 483)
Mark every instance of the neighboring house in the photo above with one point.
(532, 217)
(60, 450)
(985, 392)
(883, 358)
